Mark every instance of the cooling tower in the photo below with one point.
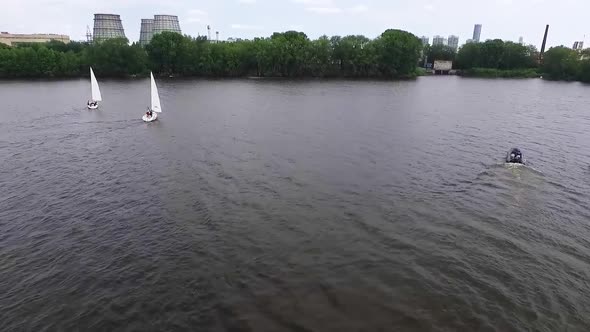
(146, 32)
(166, 23)
(108, 26)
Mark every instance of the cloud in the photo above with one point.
(296, 27)
(337, 10)
(358, 9)
(196, 16)
(316, 3)
(197, 12)
(324, 10)
(247, 1)
(429, 7)
(246, 27)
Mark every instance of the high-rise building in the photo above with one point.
(438, 40)
(521, 40)
(578, 45)
(476, 33)
(425, 40)
(107, 26)
(453, 42)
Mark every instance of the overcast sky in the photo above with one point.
(504, 19)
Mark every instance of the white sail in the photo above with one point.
(155, 96)
(94, 87)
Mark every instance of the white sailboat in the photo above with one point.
(155, 106)
(95, 91)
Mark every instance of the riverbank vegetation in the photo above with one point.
(496, 58)
(499, 73)
(393, 54)
(562, 63)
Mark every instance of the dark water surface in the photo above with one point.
(260, 205)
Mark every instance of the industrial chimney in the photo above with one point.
(543, 45)
(107, 26)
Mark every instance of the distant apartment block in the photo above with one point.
(11, 39)
(453, 42)
(476, 33)
(521, 40)
(425, 40)
(438, 40)
(578, 46)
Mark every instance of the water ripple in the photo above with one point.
(295, 206)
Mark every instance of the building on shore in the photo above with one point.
(453, 42)
(11, 39)
(442, 67)
(160, 23)
(425, 40)
(476, 33)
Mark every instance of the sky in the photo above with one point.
(504, 19)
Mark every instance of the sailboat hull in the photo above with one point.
(92, 107)
(154, 117)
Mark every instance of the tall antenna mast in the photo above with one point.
(88, 34)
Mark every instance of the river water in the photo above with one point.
(269, 205)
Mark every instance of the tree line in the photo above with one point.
(393, 54)
(497, 58)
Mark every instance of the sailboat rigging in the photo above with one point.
(95, 92)
(155, 107)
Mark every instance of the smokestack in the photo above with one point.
(208, 32)
(107, 26)
(543, 45)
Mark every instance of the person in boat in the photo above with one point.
(515, 156)
(149, 112)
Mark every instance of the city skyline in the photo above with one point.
(253, 18)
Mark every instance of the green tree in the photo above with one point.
(584, 71)
(561, 63)
(167, 52)
(496, 54)
(319, 61)
(469, 56)
(441, 52)
(397, 53)
(115, 57)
